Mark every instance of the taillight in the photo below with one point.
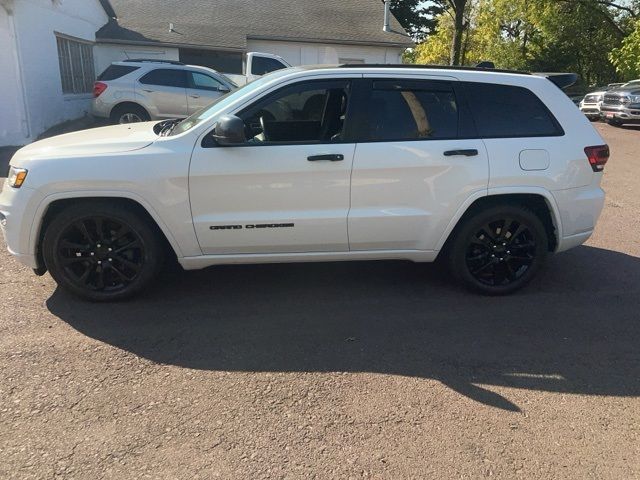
(98, 88)
(597, 156)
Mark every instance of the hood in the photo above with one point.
(95, 141)
(635, 90)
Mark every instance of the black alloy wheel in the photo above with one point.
(499, 250)
(107, 254)
(99, 253)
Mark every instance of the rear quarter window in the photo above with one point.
(113, 72)
(507, 111)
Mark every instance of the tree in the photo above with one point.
(458, 8)
(418, 20)
(533, 35)
(626, 58)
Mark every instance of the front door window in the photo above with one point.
(313, 112)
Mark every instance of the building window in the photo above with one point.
(76, 65)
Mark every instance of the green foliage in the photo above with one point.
(540, 35)
(417, 18)
(626, 58)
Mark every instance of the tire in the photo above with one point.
(129, 113)
(614, 123)
(102, 251)
(489, 260)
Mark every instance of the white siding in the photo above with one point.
(36, 23)
(298, 53)
(13, 122)
(105, 54)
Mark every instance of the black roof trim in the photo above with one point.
(152, 60)
(561, 80)
(431, 67)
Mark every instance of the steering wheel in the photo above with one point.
(264, 128)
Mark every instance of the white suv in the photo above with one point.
(140, 90)
(489, 170)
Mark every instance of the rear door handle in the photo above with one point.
(330, 158)
(472, 152)
(148, 91)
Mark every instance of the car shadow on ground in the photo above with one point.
(575, 330)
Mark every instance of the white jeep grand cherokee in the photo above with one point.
(487, 169)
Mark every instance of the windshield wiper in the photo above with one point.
(167, 126)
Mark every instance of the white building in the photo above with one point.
(50, 50)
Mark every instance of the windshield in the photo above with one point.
(224, 101)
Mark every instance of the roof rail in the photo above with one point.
(152, 60)
(432, 67)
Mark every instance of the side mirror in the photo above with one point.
(224, 89)
(229, 131)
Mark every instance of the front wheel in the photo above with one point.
(101, 251)
(498, 250)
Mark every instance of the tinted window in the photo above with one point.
(411, 110)
(508, 111)
(165, 77)
(306, 113)
(114, 72)
(203, 82)
(263, 65)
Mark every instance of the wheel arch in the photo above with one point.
(54, 204)
(540, 200)
(125, 103)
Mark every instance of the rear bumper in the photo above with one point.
(579, 209)
(99, 109)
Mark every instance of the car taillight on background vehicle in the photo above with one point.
(98, 88)
(597, 156)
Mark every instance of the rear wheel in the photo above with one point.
(614, 123)
(102, 252)
(498, 250)
(129, 113)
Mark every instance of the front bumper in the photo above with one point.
(621, 113)
(591, 110)
(16, 209)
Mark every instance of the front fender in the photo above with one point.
(47, 201)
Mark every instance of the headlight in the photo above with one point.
(17, 176)
(634, 98)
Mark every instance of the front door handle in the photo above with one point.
(194, 96)
(472, 152)
(148, 91)
(330, 158)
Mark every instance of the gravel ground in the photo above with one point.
(360, 370)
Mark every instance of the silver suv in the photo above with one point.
(139, 90)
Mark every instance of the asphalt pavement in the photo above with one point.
(339, 370)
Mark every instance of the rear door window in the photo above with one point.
(506, 111)
(166, 77)
(113, 72)
(404, 110)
